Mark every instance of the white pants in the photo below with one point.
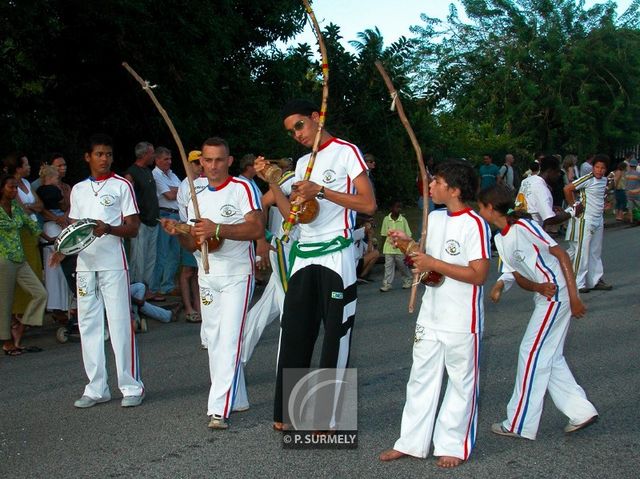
(225, 300)
(542, 367)
(98, 290)
(585, 251)
(58, 293)
(267, 308)
(456, 423)
(142, 261)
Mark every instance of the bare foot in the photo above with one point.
(281, 426)
(496, 291)
(391, 455)
(448, 461)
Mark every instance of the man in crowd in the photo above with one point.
(143, 247)
(168, 251)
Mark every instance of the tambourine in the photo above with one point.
(409, 248)
(75, 237)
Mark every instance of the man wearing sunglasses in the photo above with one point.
(322, 284)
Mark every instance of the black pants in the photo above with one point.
(316, 294)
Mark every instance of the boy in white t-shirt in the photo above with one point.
(585, 232)
(103, 278)
(449, 326)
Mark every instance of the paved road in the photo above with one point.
(43, 435)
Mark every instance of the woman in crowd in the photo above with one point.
(18, 166)
(52, 197)
(14, 269)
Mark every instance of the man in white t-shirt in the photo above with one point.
(168, 256)
(230, 211)
(322, 284)
(102, 277)
(585, 232)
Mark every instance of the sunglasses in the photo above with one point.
(297, 126)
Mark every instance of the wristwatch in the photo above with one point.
(320, 194)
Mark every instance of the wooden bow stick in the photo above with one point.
(196, 209)
(396, 103)
(295, 208)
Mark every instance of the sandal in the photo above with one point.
(30, 349)
(12, 352)
(193, 318)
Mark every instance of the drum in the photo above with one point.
(212, 243)
(76, 237)
(429, 278)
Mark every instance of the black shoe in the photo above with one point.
(602, 286)
(584, 290)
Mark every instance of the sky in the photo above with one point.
(353, 16)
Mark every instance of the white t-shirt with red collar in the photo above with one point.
(456, 238)
(108, 199)
(524, 247)
(228, 204)
(337, 165)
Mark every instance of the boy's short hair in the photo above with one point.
(459, 174)
(601, 158)
(98, 139)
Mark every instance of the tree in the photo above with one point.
(64, 79)
(534, 75)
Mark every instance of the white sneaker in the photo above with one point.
(85, 402)
(407, 283)
(385, 287)
(217, 422)
(132, 401)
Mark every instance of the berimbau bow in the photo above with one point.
(295, 207)
(147, 87)
(396, 103)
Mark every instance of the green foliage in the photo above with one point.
(533, 75)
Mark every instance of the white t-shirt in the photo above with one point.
(592, 192)
(524, 247)
(228, 204)
(108, 200)
(27, 198)
(457, 238)
(164, 183)
(338, 163)
(506, 173)
(535, 198)
(184, 195)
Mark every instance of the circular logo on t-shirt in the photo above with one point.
(518, 255)
(228, 210)
(452, 247)
(107, 200)
(329, 176)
